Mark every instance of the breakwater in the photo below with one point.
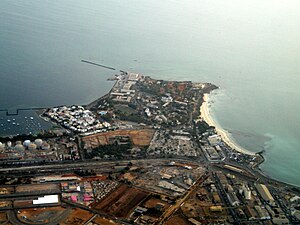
(96, 64)
(16, 111)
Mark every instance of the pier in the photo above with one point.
(16, 112)
(96, 64)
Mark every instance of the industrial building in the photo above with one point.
(265, 193)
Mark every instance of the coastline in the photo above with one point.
(205, 115)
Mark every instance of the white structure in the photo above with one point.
(9, 144)
(47, 199)
(26, 143)
(38, 142)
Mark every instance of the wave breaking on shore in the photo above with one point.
(226, 137)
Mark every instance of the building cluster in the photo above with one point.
(123, 90)
(211, 145)
(156, 102)
(293, 203)
(249, 202)
(78, 192)
(65, 148)
(164, 102)
(77, 119)
(195, 194)
(173, 179)
(172, 143)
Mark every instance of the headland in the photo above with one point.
(148, 152)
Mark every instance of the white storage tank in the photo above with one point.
(26, 143)
(8, 144)
(38, 142)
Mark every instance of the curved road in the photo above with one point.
(12, 217)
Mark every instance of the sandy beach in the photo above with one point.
(204, 109)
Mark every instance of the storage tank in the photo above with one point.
(19, 147)
(2, 146)
(38, 142)
(31, 146)
(45, 146)
(26, 143)
(8, 144)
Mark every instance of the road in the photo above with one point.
(172, 209)
(90, 165)
(13, 218)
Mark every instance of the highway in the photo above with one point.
(88, 165)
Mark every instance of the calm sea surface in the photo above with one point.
(250, 48)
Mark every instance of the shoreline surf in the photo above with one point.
(206, 116)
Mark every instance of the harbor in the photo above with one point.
(26, 121)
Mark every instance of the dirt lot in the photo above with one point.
(22, 203)
(40, 214)
(177, 220)
(4, 204)
(6, 190)
(37, 188)
(77, 217)
(103, 221)
(3, 217)
(152, 202)
(121, 201)
(138, 137)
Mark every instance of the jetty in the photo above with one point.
(16, 112)
(96, 64)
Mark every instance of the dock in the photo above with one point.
(16, 112)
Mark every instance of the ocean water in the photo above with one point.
(250, 48)
(26, 122)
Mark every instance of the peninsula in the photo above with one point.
(147, 152)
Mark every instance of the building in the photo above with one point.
(214, 139)
(234, 201)
(47, 199)
(250, 213)
(265, 193)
